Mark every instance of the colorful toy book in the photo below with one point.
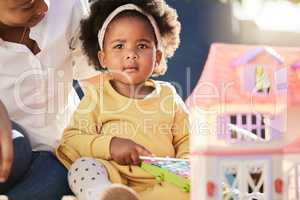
(171, 170)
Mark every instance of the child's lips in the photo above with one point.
(130, 69)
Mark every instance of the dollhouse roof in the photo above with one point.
(220, 81)
(254, 53)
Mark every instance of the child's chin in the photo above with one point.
(129, 80)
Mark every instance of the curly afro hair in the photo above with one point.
(165, 16)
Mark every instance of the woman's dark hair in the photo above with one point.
(165, 16)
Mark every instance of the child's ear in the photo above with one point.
(159, 55)
(101, 58)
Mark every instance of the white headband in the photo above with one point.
(120, 9)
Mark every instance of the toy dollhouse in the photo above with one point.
(245, 114)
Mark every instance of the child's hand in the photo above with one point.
(127, 152)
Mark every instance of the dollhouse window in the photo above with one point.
(244, 179)
(230, 183)
(233, 119)
(243, 127)
(294, 183)
(262, 81)
(256, 79)
(255, 182)
(244, 119)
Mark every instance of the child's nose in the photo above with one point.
(131, 55)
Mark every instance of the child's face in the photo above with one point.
(129, 51)
(22, 13)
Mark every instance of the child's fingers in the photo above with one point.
(142, 151)
(135, 158)
(127, 160)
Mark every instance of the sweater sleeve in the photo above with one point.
(82, 137)
(181, 128)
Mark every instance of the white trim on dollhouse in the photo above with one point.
(253, 53)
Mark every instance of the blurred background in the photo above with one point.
(262, 22)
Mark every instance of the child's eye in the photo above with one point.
(142, 46)
(118, 46)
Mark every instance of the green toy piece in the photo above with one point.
(162, 174)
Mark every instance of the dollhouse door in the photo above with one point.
(242, 179)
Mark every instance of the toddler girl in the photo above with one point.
(126, 115)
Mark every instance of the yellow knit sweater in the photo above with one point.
(158, 122)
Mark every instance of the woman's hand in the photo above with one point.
(6, 147)
(127, 152)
